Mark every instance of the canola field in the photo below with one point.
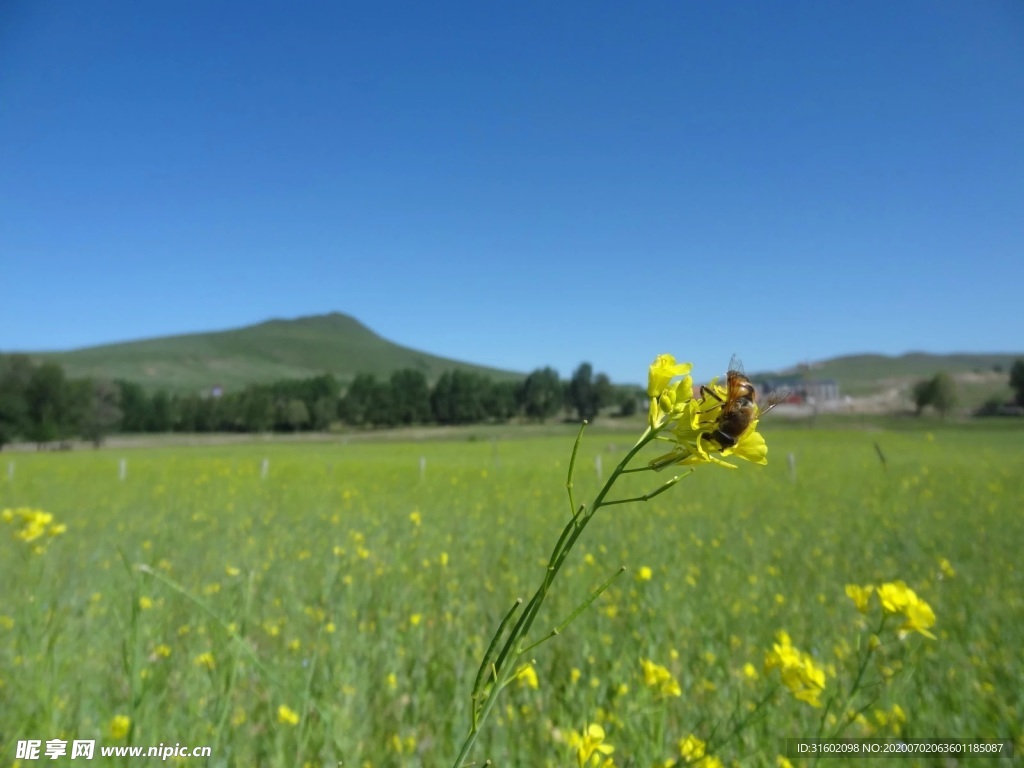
(330, 605)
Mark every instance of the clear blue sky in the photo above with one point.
(519, 184)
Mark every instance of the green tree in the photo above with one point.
(293, 414)
(257, 410)
(410, 396)
(161, 413)
(134, 405)
(458, 398)
(1017, 380)
(499, 400)
(15, 373)
(944, 394)
(940, 392)
(628, 399)
(50, 404)
(102, 414)
(922, 395)
(361, 402)
(541, 394)
(587, 393)
(322, 413)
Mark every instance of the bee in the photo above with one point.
(740, 408)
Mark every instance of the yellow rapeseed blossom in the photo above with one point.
(33, 526)
(119, 727)
(659, 679)
(694, 752)
(204, 660)
(589, 745)
(800, 673)
(897, 597)
(946, 568)
(666, 397)
(287, 716)
(644, 574)
(527, 677)
(860, 596)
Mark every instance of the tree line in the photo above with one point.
(40, 404)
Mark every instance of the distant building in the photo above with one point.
(801, 391)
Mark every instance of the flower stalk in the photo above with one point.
(673, 415)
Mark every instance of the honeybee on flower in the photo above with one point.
(722, 420)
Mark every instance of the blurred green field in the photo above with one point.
(360, 594)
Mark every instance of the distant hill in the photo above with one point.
(277, 349)
(979, 376)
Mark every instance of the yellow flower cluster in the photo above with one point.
(896, 598)
(590, 746)
(689, 422)
(693, 752)
(33, 526)
(659, 679)
(800, 673)
(287, 716)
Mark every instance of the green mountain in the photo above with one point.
(277, 349)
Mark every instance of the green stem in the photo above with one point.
(511, 650)
(572, 469)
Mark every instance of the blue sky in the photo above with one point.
(519, 184)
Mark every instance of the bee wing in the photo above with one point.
(736, 365)
(773, 399)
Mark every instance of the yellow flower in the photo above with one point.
(590, 745)
(204, 660)
(860, 596)
(659, 679)
(919, 617)
(119, 727)
(691, 748)
(34, 525)
(145, 603)
(644, 574)
(662, 371)
(287, 716)
(946, 568)
(527, 677)
(800, 673)
(667, 399)
(897, 597)
(749, 671)
(415, 619)
(415, 517)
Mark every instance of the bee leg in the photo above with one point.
(705, 391)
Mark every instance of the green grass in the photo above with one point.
(315, 589)
(257, 354)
